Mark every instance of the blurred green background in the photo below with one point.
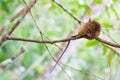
(84, 59)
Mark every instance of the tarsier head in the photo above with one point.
(90, 30)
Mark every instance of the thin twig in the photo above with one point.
(26, 10)
(37, 26)
(110, 37)
(60, 56)
(10, 60)
(10, 20)
(85, 72)
(67, 11)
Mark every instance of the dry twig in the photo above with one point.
(25, 11)
(10, 60)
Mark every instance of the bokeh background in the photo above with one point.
(83, 60)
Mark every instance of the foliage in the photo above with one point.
(86, 57)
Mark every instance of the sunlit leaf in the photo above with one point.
(97, 1)
(105, 49)
(88, 11)
(73, 10)
(114, 1)
(119, 60)
(107, 25)
(91, 43)
(110, 56)
(107, 11)
(38, 69)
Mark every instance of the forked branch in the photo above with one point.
(25, 11)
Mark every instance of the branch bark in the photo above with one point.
(42, 41)
(62, 40)
(108, 43)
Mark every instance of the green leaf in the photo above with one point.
(114, 1)
(3, 57)
(27, 60)
(91, 43)
(4, 6)
(88, 11)
(107, 11)
(110, 56)
(73, 10)
(118, 60)
(52, 7)
(107, 24)
(38, 68)
(98, 1)
(105, 49)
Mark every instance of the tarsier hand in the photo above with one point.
(89, 30)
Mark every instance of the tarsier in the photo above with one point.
(89, 30)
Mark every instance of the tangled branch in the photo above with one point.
(23, 12)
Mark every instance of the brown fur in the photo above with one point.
(89, 30)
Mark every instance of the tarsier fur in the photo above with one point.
(89, 30)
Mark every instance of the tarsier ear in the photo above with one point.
(90, 20)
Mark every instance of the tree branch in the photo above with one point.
(108, 43)
(43, 41)
(62, 40)
(25, 11)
